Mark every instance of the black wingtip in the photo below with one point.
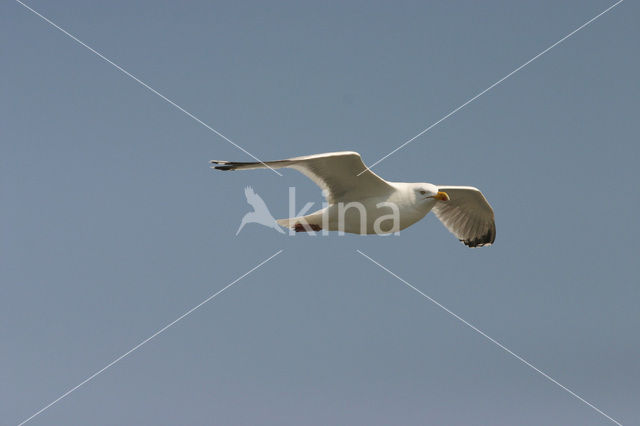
(482, 241)
(231, 165)
(224, 165)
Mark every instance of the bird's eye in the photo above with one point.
(423, 192)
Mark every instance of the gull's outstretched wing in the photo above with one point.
(335, 172)
(467, 215)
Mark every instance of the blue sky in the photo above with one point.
(113, 225)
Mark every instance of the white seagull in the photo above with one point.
(361, 202)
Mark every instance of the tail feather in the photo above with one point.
(287, 223)
(312, 221)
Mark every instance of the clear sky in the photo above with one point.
(112, 224)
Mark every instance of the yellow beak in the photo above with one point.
(442, 196)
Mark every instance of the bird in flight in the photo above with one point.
(361, 202)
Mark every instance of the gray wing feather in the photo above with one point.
(336, 173)
(467, 215)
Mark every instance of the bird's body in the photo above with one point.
(361, 202)
(361, 216)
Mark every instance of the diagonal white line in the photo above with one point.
(148, 338)
(154, 91)
(492, 86)
(491, 339)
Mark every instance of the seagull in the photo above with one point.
(260, 213)
(361, 202)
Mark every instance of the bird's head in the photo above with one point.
(427, 192)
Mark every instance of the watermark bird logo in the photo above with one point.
(260, 213)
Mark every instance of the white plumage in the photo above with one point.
(345, 179)
(467, 215)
